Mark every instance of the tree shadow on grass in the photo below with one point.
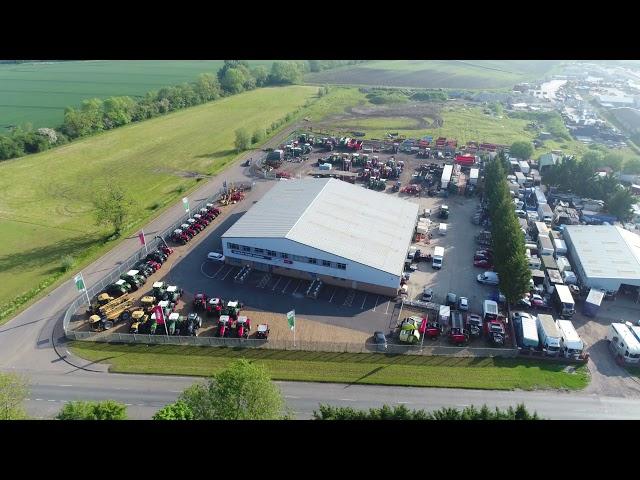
(47, 255)
(216, 155)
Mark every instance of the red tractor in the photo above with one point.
(283, 175)
(495, 331)
(236, 197)
(243, 327)
(189, 230)
(165, 249)
(195, 225)
(201, 219)
(212, 208)
(214, 306)
(223, 326)
(412, 189)
(180, 236)
(200, 302)
(207, 214)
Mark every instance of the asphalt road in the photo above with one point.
(146, 394)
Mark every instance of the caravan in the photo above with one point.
(623, 343)
(549, 334)
(571, 345)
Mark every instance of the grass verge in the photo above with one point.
(353, 368)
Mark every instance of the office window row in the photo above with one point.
(286, 256)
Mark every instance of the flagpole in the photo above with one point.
(85, 289)
(145, 242)
(294, 329)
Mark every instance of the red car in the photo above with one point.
(483, 263)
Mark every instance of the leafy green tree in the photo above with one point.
(174, 411)
(207, 87)
(112, 207)
(285, 73)
(258, 136)
(522, 150)
(105, 410)
(613, 160)
(243, 139)
(244, 391)
(92, 111)
(9, 148)
(261, 75)
(619, 204)
(13, 392)
(118, 111)
(233, 81)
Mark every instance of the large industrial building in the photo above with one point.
(343, 234)
(604, 256)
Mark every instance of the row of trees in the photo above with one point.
(401, 412)
(508, 240)
(580, 177)
(96, 115)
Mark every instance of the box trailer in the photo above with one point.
(564, 301)
(560, 246)
(549, 263)
(541, 229)
(549, 334)
(571, 345)
(593, 302)
(539, 195)
(563, 263)
(473, 176)
(446, 176)
(545, 213)
(527, 333)
(545, 246)
(623, 343)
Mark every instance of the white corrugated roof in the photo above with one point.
(606, 251)
(349, 221)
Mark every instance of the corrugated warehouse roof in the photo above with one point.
(349, 221)
(606, 251)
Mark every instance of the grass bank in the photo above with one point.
(45, 199)
(373, 369)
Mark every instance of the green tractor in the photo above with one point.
(133, 278)
(409, 332)
(159, 290)
(173, 293)
(232, 309)
(377, 184)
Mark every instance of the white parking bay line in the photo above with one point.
(226, 274)
(215, 274)
(386, 312)
(347, 399)
(285, 287)
(334, 292)
(290, 396)
(374, 307)
(365, 299)
(274, 287)
(297, 286)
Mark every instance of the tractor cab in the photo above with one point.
(159, 290)
(474, 325)
(172, 322)
(495, 331)
(214, 306)
(103, 299)
(173, 293)
(200, 301)
(433, 329)
(262, 331)
(133, 279)
(200, 219)
(148, 301)
(243, 327)
(123, 285)
(409, 332)
(223, 326)
(95, 322)
(233, 309)
(167, 307)
(444, 212)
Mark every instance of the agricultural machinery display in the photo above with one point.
(262, 331)
(232, 309)
(200, 302)
(243, 327)
(215, 306)
(223, 326)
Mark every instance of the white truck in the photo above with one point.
(571, 345)
(623, 343)
(549, 334)
(489, 310)
(545, 247)
(560, 246)
(564, 301)
(473, 176)
(520, 178)
(545, 213)
(524, 167)
(442, 229)
(438, 257)
(446, 176)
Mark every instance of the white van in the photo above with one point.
(623, 343)
(571, 345)
(438, 257)
(549, 334)
(442, 229)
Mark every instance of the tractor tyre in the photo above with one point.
(125, 316)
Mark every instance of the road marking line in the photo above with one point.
(290, 396)
(50, 400)
(403, 402)
(365, 299)
(297, 286)
(175, 391)
(227, 274)
(285, 287)
(274, 287)
(128, 404)
(214, 275)
(65, 385)
(334, 292)
(386, 312)
(140, 404)
(374, 307)
(39, 400)
(347, 399)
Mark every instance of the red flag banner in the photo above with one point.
(423, 325)
(143, 241)
(159, 314)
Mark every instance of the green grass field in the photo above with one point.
(454, 74)
(38, 92)
(45, 199)
(408, 370)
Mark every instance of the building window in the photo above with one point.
(258, 250)
(341, 266)
(313, 261)
(246, 249)
(326, 263)
(233, 246)
(284, 255)
(297, 258)
(271, 253)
